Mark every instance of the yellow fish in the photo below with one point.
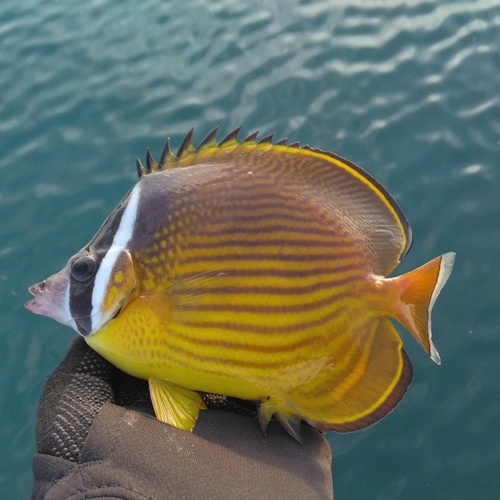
(258, 271)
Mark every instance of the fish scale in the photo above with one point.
(256, 271)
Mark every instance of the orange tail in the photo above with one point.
(419, 290)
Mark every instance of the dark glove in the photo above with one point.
(97, 437)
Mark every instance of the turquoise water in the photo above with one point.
(408, 90)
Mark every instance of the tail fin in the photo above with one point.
(419, 290)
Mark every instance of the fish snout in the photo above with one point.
(51, 298)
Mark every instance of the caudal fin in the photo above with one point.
(419, 290)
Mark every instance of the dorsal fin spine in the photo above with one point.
(231, 138)
(140, 168)
(152, 166)
(186, 146)
(166, 154)
(266, 140)
(209, 141)
(251, 137)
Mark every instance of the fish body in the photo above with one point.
(256, 271)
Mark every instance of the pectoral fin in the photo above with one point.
(194, 295)
(175, 405)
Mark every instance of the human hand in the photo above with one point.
(96, 434)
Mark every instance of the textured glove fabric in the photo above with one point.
(76, 391)
(72, 398)
(93, 444)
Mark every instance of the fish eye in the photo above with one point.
(82, 268)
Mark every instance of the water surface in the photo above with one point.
(408, 90)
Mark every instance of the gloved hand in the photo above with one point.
(97, 437)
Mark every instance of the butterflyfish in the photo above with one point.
(258, 271)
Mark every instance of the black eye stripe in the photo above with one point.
(81, 291)
(80, 303)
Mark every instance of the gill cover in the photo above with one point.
(114, 284)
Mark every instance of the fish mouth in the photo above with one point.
(51, 298)
(36, 289)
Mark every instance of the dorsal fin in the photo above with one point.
(169, 160)
(385, 254)
(230, 138)
(186, 146)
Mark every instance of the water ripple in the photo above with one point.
(407, 89)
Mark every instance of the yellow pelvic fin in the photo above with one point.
(175, 405)
(419, 290)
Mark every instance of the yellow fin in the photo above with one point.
(199, 283)
(189, 295)
(175, 405)
(367, 382)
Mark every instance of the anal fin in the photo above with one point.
(291, 424)
(264, 414)
(175, 405)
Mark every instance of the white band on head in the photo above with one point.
(120, 240)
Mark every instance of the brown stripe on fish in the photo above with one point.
(310, 305)
(265, 201)
(222, 345)
(261, 296)
(263, 356)
(286, 290)
(246, 278)
(277, 243)
(266, 356)
(261, 209)
(263, 328)
(323, 272)
(273, 229)
(266, 213)
(273, 257)
(215, 363)
(264, 218)
(252, 189)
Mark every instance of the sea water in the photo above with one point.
(408, 90)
